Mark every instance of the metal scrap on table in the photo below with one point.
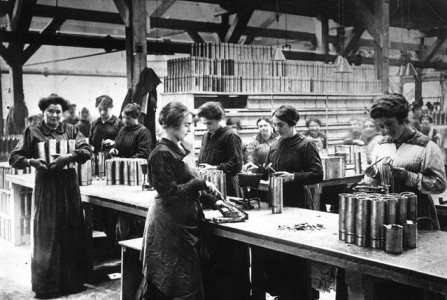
(302, 227)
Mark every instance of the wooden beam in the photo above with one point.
(237, 27)
(352, 42)
(32, 48)
(123, 9)
(322, 34)
(162, 8)
(21, 112)
(368, 20)
(48, 11)
(195, 36)
(266, 23)
(4, 53)
(428, 55)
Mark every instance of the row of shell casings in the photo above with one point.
(46, 150)
(99, 164)
(217, 177)
(362, 216)
(8, 143)
(125, 171)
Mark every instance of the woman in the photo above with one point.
(133, 140)
(428, 130)
(417, 166)
(106, 127)
(370, 137)
(313, 131)
(58, 265)
(84, 123)
(258, 149)
(171, 262)
(296, 159)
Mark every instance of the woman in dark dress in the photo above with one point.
(133, 140)
(58, 263)
(171, 261)
(295, 158)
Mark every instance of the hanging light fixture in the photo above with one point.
(410, 70)
(341, 62)
(278, 55)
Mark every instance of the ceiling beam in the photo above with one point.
(351, 43)
(83, 41)
(162, 8)
(368, 20)
(266, 23)
(123, 9)
(48, 11)
(52, 27)
(428, 55)
(238, 26)
(195, 36)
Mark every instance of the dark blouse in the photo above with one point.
(27, 147)
(134, 141)
(298, 155)
(222, 149)
(103, 131)
(85, 126)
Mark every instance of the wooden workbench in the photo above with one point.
(424, 267)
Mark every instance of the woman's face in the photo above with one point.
(265, 128)
(104, 112)
(282, 128)
(314, 127)
(128, 120)
(425, 122)
(182, 131)
(211, 125)
(52, 115)
(390, 127)
(369, 127)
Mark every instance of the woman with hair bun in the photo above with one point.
(133, 140)
(58, 262)
(171, 261)
(295, 158)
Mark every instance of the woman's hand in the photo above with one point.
(108, 142)
(208, 166)
(113, 152)
(60, 161)
(400, 173)
(372, 171)
(288, 177)
(38, 164)
(250, 167)
(220, 203)
(212, 189)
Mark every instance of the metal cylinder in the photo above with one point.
(350, 219)
(410, 234)
(89, 171)
(118, 169)
(376, 223)
(126, 171)
(277, 194)
(63, 147)
(223, 184)
(101, 164)
(357, 162)
(52, 149)
(140, 177)
(393, 238)
(71, 149)
(132, 172)
(390, 210)
(402, 209)
(361, 221)
(109, 172)
(412, 206)
(41, 153)
(342, 216)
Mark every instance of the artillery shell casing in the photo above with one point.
(52, 149)
(342, 216)
(118, 169)
(101, 164)
(82, 174)
(277, 197)
(412, 206)
(376, 223)
(126, 171)
(132, 172)
(140, 177)
(350, 219)
(410, 234)
(109, 172)
(63, 146)
(402, 209)
(89, 166)
(71, 149)
(390, 210)
(41, 152)
(393, 238)
(361, 221)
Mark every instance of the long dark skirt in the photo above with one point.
(58, 263)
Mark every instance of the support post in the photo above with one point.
(322, 34)
(382, 18)
(21, 112)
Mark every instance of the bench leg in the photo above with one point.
(131, 273)
(89, 239)
(360, 286)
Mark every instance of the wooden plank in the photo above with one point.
(322, 34)
(162, 8)
(266, 23)
(428, 55)
(195, 37)
(123, 10)
(238, 26)
(352, 42)
(368, 20)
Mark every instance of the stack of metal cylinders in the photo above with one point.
(99, 165)
(217, 177)
(125, 171)
(46, 150)
(362, 217)
(355, 155)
